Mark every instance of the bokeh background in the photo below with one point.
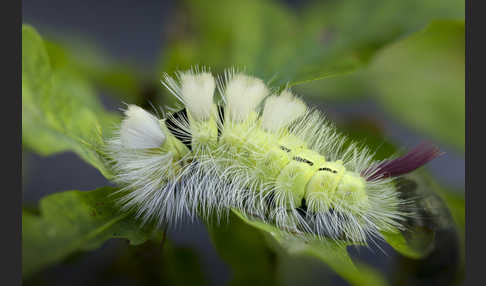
(398, 79)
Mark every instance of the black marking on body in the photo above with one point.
(175, 129)
(302, 210)
(221, 119)
(327, 169)
(285, 149)
(303, 160)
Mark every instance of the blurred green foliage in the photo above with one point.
(60, 111)
(83, 57)
(72, 221)
(268, 39)
(421, 81)
(156, 262)
(393, 52)
(331, 253)
(245, 250)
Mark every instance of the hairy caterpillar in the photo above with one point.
(267, 156)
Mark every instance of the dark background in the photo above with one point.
(133, 31)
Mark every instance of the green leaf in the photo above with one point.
(434, 236)
(337, 258)
(72, 221)
(263, 37)
(421, 81)
(444, 263)
(418, 247)
(155, 262)
(302, 270)
(418, 240)
(60, 111)
(332, 254)
(295, 46)
(345, 35)
(254, 35)
(182, 266)
(456, 203)
(448, 205)
(83, 57)
(245, 250)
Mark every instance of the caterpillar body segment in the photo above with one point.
(267, 156)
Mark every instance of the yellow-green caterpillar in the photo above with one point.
(265, 155)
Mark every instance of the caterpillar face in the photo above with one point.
(282, 164)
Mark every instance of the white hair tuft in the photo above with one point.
(243, 94)
(280, 111)
(140, 129)
(197, 92)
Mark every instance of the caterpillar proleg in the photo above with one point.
(265, 155)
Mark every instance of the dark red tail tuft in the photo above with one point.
(416, 158)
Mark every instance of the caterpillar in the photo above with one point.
(236, 145)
